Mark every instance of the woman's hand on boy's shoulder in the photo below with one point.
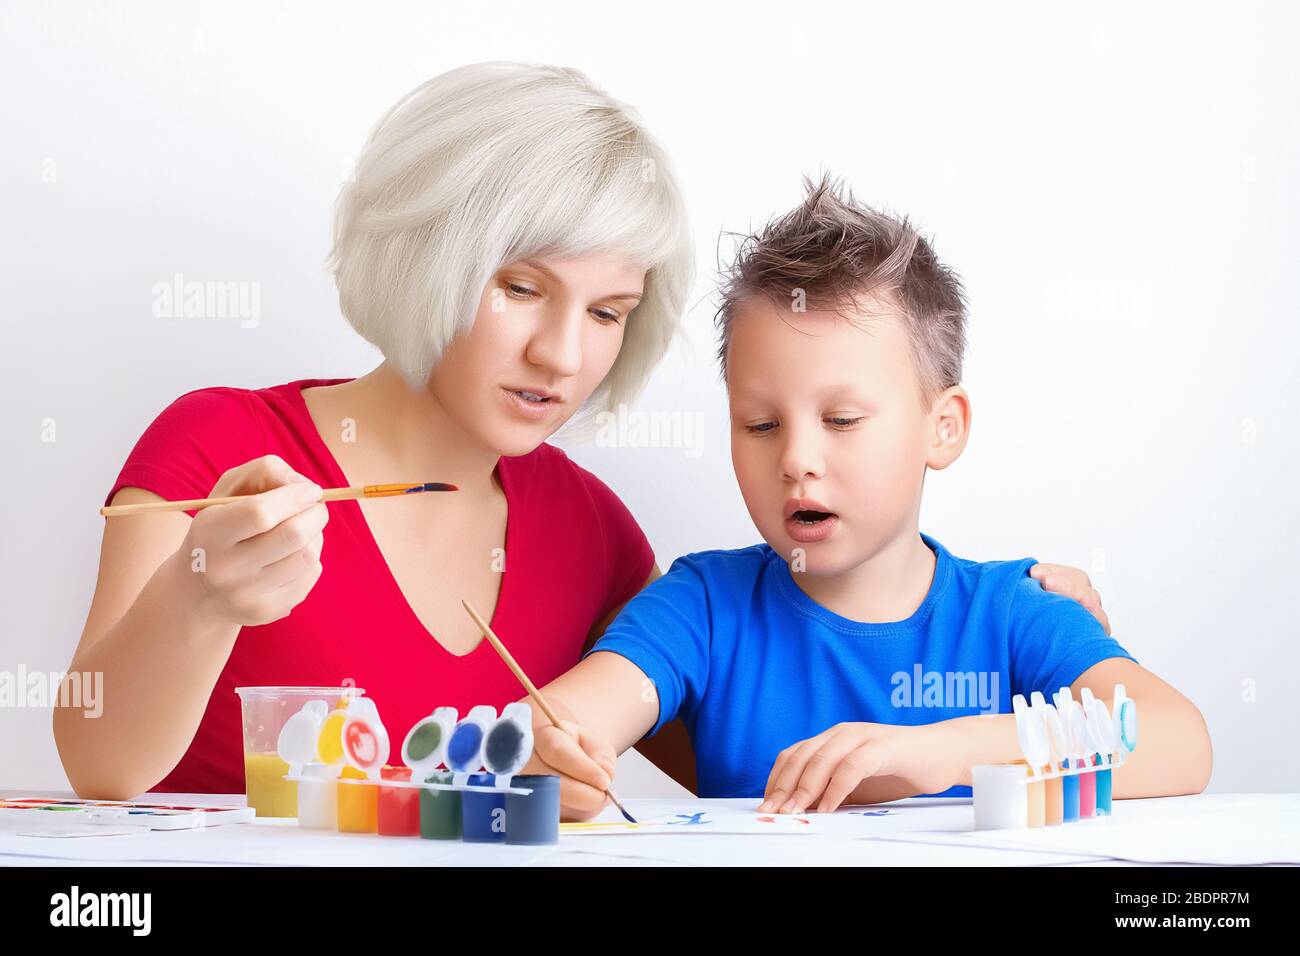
(1072, 583)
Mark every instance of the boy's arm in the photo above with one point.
(650, 665)
(605, 692)
(607, 704)
(1173, 757)
(1051, 642)
(871, 763)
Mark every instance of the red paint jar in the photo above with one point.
(399, 807)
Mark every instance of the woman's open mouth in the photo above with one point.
(529, 403)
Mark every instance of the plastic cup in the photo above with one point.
(265, 710)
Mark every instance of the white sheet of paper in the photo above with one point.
(1208, 829)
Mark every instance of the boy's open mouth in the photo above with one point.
(808, 521)
(806, 512)
(812, 517)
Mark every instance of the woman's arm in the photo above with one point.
(159, 654)
(172, 595)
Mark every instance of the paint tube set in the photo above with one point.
(338, 760)
(1069, 752)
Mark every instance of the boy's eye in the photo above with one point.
(843, 422)
(760, 428)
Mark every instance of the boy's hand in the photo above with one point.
(583, 761)
(822, 771)
(1073, 583)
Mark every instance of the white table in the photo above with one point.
(1256, 827)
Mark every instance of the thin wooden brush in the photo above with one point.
(327, 494)
(533, 692)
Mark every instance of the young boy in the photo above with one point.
(850, 658)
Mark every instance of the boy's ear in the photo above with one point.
(949, 427)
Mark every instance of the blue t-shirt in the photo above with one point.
(752, 664)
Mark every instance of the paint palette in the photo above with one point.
(344, 783)
(150, 816)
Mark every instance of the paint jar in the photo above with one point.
(358, 803)
(1001, 799)
(1103, 789)
(318, 798)
(483, 815)
(399, 807)
(1069, 797)
(440, 810)
(265, 711)
(533, 819)
(1087, 792)
(1054, 804)
(1036, 798)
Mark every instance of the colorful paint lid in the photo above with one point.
(509, 742)
(425, 747)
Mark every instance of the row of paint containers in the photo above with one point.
(1069, 751)
(460, 780)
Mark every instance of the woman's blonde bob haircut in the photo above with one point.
(488, 164)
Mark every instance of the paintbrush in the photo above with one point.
(327, 494)
(533, 692)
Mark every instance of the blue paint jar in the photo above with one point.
(1070, 797)
(483, 815)
(534, 819)
(1103, 790)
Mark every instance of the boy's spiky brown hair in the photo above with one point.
(829, 253)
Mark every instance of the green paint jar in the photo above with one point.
(439, 810)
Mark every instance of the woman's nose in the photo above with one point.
(556, 344)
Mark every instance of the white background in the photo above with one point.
(1116, 184)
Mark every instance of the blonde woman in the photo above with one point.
(514, 243)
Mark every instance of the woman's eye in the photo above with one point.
(520, 291)
(843, 422)
(605, 316)
(761, 428)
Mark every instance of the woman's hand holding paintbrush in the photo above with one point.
(254, 560)
(255, 556)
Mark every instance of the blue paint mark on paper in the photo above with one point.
(689, 819)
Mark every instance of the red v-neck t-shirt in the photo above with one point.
(573, 553)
